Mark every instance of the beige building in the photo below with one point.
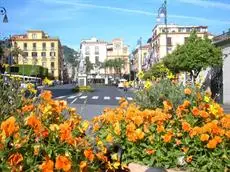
(139, 57)
(115, 50)
(40, 49)
(177, 35)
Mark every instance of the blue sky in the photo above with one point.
(73, 20)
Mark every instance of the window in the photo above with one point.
(43, 46)
(25, 46)
(52, 54)
(188, 29)
(52, 45)
(87, 50)
(52, 72)
(25, 54)
(169, 41)
(52, 64)
(34, 46)
(43, 54)
(34, 36)
(125, 50)
(96, 60)
(180, 30)
(198, 29)
(34, 54)
(44, 64)
(96, 50)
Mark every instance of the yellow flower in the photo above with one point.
(114, 157)
(85, 125)
(140, 75)
(148, 84)
(54, 127)
(109, 138)
(116, 165)
(206, 99)
(117, 128)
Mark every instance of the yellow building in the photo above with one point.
(40, 49)
(115, 50)
(139, 55)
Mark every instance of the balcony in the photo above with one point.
(223, 37)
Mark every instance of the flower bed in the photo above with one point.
(43, 134)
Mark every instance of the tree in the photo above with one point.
(15, 52)
(195, 55)
(116, 64)
(89, 65)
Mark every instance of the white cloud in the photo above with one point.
(78, 4)
(206, 3)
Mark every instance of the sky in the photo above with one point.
(74, 20)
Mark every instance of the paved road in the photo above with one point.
(91, 104)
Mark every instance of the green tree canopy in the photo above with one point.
(193, 56)
(70, 55)
(116, 64)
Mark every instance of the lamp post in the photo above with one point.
(162, 13)
(3, 13)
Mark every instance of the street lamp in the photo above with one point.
(3, 13)
(162, 13)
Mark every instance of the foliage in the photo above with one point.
(46, 81)
(154, 96)
(70, 55)
(195, 55)
(158, 70)
(116, 64)
(31, 70)
(83, 89)
(89, 65)
(195, 137)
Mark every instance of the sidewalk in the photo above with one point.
(226, 108)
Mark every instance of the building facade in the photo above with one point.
(40, 49)
(117, 49)
(140, 56)
(95, 51)
(177, 35)
(223, 86)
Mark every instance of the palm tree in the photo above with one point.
(118, 65)
(16, 52)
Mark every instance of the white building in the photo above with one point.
(177, 35)
(95, 51)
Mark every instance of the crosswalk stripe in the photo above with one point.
(74, 101)
(83, 97)
(118, 98)
(106, 98)
(71, 97)
(95, 97)
(129, 98)
(60, 97)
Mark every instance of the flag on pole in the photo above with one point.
(139, 41)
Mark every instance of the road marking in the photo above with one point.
(95, 97)
(118, 98)
(129, 98)
(106, 98)
(60, 97)
(83, 97)
(71, 97)
(74, 101)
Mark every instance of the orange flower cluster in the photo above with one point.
(9, 127)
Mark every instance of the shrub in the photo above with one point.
(152, 97)
(83, 89)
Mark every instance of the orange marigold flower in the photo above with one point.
(189, 159)
(218, 139)
(225, 121)
(117, 128)
(28, 108)
(194, 131)
(227, 133)
(204, 114)
(195, 111)
(204, 137)
(212, 144)
(83, 166)
(9, 126)
(15, 159)
(138, 120)
(139, 134)
(167, 137)
(186, 104)
(102, 157)
(167, 106)
(178, 142)
(89, 154)
(185, 149)
(150, 151)
(46, 95)
(186, 126)
(63, 163)
(47, 166)
(34, 123)
(187, 91)
(65, 132)
(160, 128)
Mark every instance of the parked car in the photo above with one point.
(121, 83)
